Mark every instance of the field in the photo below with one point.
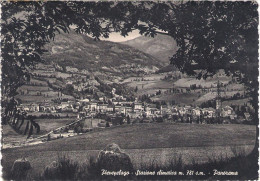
(38, 82)
(48, 125)
(10, 137)
(35, 88)
(212, 95)
(143, 142)
(179, 98)
(186, 82)
(34, 99)
(240, 102)
(149, 84)
(62, 75)
(60, 114)
(47, 94)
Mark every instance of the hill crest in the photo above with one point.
(82, 52)
(161, 47)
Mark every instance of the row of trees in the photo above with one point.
(16, 119)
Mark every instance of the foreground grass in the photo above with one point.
(140, 136)
(246, 167)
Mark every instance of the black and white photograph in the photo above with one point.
(129, 90)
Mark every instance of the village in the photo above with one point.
(134, 110)
(91, 113)
(59, 93)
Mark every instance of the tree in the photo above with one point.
(128, 119)
(213, 36)
(136, 89)
(69, 89)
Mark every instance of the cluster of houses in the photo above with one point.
(138, 109)
(49, 107)
(118, 106)
(135, 109)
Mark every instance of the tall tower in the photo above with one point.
(218, 101)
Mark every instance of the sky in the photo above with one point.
(116, 37)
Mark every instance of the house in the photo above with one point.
(155, 111)
(46, 107)
(148, 112)
(164, 109)
(182, 111)
(137, 111)
(102, 107)
(188, 109)
(81, 115)
(117, 108)
(25, 107)
(113, 91)
(228, 111)
(30, 107)
(211, 112)
(110, 108)
(196, 111)
(138, 105)
(122, 109)
(128, 110)
(175, 113)
(34, 107)
(93, 106)
(69, 109)
(101, 98)
(208, 112)
(87, 107)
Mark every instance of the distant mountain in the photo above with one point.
(82, 52)
(161, 46)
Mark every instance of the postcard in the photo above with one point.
(129, 90)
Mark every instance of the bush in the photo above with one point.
(65, 169)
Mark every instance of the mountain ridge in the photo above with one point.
(161, 47)
(83, 52)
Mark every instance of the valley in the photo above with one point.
(79, 71)
(123, 90)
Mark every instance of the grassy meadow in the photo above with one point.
(143, 142)
(48, 125)
(151, 84)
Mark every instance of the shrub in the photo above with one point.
(65, 169)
